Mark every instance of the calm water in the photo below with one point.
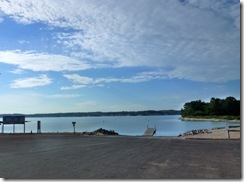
(124, 125)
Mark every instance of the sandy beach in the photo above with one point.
(69, 156)
(218, 134)
(207, 119)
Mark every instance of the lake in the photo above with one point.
(166, 125)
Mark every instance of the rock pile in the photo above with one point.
(195, 132)
(100, 131)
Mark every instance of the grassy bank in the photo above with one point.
(211, 118)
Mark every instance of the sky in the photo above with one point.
(113, 55)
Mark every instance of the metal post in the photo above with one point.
(13, 128)
(3, 128)
(74, 126)
(24, 127)
(38, 126)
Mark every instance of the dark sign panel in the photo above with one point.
(13, 119)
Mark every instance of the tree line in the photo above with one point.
(98, 113)
(216, 107)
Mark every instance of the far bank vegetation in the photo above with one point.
(228, 108)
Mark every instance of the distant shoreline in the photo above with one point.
(207, 119)
(99, 113)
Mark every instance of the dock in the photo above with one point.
(150, 132)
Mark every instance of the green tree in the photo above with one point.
(231, 106)
(194, 108)
(216, 107)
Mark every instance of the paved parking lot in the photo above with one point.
(57, 156)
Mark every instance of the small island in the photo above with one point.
(217, 109)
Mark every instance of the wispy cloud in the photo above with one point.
(42, 61)
(42, 80)
(81, 81)
(17, 71)
(57, 47)
(73, 87)
(187, 35)
(62, 96)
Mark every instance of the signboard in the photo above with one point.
(13, 119)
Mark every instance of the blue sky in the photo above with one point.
(112, 55)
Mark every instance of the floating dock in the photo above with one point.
(150, 132)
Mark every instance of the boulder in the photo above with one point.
(195, 132)
(101, 132)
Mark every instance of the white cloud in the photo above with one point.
(17, 71)
(224, 8)
(62, 96)
(81, 81)
(73, 87)
(146, 76)
(42, 80)
(41, 61)
(197, 35)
